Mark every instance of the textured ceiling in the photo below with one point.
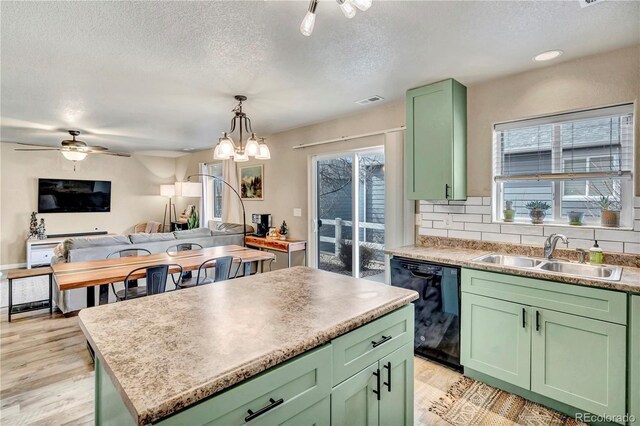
(161, 75)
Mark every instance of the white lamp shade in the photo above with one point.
(240, 157)
(74, 155)
(225, 147)
(167, 190)
(217, 155)
(252, 147)
(264, 153)
(188, 189)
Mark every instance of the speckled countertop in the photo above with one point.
(169, 351)
(463, 256)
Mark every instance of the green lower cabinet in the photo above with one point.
(496, 338)
(316, 415)
(353, 402)
(579, 361)
(634, 359)
(381, 394)
(396, 399)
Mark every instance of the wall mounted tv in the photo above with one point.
(73, 196)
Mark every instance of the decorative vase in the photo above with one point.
(537, 216)
(283, 237)
(610, 218)
(575, 218)
(509, 215)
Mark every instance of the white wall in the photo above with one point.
(135, 194)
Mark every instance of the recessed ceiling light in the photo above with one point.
(370, 99)
(548, 55)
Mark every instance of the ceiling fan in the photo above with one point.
(72, 149)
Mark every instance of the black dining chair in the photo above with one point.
(183, 247)
(222, 272)
(156, 279)
(128, 252)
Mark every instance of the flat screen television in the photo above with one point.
(73, 196)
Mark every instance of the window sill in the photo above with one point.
(564, 225)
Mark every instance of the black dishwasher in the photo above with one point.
(437, 311)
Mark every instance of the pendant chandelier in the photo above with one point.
(346, 6)
(253, 147)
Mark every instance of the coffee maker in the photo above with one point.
(263, 223)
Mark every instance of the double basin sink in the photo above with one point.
(608, 273)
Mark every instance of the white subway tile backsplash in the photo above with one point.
(521, 229)
(478, 209)
(433, 232)
(501, 238)
(482, 227)
(633, 248)
(426, 224)
(448, 209)
(613, 235)
(532, 240)
(454, 225)
(435, 216)
(477, 218)
(569, 232)
(472, 219)
(467, 235)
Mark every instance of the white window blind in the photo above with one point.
(594, 144)
(568, 161)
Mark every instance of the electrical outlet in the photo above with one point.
(448, 222)
(297, 212)
(418, 219)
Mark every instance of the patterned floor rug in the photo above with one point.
(471, 403)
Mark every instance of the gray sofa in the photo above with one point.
(96, 248)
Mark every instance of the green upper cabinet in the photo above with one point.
(436, 142)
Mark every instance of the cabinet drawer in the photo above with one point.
(589, 302)
(300, 383)
(41, 256)
(363, 346)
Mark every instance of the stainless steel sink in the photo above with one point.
(612, 273)
(607, 273)
(506, 260)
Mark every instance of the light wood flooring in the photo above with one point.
(46, 374)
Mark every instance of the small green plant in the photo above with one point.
(194, 220)
(284, 228)
(538, 205)
(607, 202)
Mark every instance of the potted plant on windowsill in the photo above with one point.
(537, 211)
(609, 211)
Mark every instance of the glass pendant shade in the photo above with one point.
(240, 157)
(306, 27)
(347, 8)
(226, 146)
(217, 155)
(252, 148)
(264, 153)
(362, 4)
(74, 155)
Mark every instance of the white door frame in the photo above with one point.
(312, 162)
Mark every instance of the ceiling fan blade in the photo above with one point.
(33, 144)
(38, 149)
(117, 154)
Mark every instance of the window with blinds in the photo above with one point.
(568, 160)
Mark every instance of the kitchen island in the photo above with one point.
(270, 349)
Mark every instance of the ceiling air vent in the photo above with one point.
(370, 100)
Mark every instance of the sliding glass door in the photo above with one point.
(349, 217)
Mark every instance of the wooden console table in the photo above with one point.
(284, 246)
(16, 274)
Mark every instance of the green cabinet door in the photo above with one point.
(579, 361)
(353, 402)
(495, 338)
(316, 415)
(634, 359)
(396, 399)
(435, 145)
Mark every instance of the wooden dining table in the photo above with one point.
(88, 274)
